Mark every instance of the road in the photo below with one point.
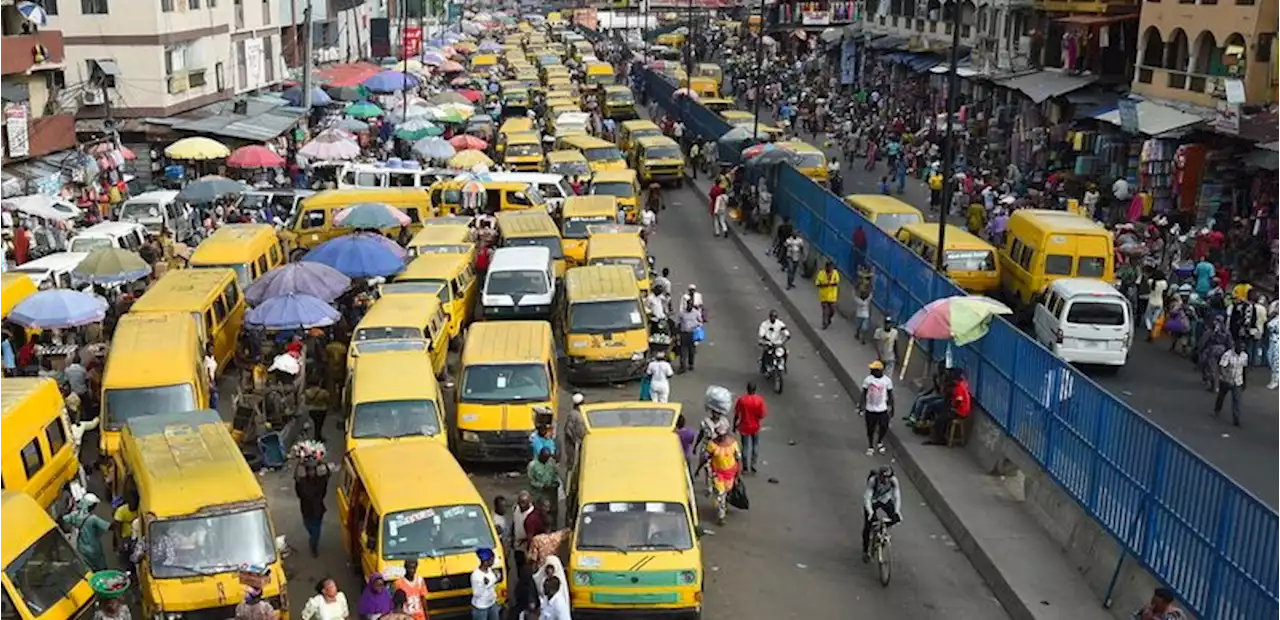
(1161, 385)
(795, 553)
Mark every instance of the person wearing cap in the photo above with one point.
(877, 406)
(693, 295)
(575, 430)
(484, 588)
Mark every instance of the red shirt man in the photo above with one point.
(961, 398)
(749, 411)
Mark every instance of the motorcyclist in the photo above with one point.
(772, 333)
(883, 493)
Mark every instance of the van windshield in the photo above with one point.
(639, 267)
(89, 244)
(601, 317)
(551, 243)
(436, 532)
(505, 383)
(429, 287)
(210, 545)
(394, 418)
(603, 153)
(243, 275)
(46, 572)
(969, 260)
(1110, 313)
(623, 526)
(522, 282)
(389, 333)
(523, 150)
(141, 211)
(619, 189)
(127, 404)
(576, 227)
(891, 222)
(808, 159)
(668, 151)
(570, 168)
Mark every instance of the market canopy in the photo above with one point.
(1153, 119)
(1044, 85)
(197, 148)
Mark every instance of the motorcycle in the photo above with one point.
(776, 366)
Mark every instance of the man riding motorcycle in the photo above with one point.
(772, 333)
(883, 493)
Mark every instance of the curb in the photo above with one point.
(977, 555)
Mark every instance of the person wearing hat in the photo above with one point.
(877, 406)
(575, 429)
(484, 588)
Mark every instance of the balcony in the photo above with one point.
(47, 134)
(18, 51)
(1098, 7)
(1196, 88)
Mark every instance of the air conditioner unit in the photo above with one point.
(93, 96)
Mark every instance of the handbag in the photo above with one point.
(738, 495)
(699, 334)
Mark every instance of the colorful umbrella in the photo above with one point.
(314, 279)
(331, 145)
(360, 255)
(961, 319)
(490, 46)
(434, 59)
(471, 95)
(353, 125)
(390, 82)
(461, 81)
(208, 189)
(446, 115)
(417, 129)
(58, 308)
(409, 66)
(254, 156)
(33, 13)
(434, 148)
(371, 215)
(319, 98)
(292, 311)
(401, 115)
(362, 109)
(450, 66)
(468, 160)
(111, 265)
(447, 97)
(468, 143)
(197, 148)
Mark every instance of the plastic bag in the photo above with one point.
(699, 334)
(738, 496)
(719, 399)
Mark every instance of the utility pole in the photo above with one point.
(755, 108)
(307, 53)
(949, 146)
(404, 51)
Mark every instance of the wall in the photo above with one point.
(142, 88)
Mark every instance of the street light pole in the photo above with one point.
(755, 108)
(949, 146)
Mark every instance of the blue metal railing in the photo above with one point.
(1186, 522)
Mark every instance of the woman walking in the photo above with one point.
(327, 604)
(1213, 344)
(725, 459)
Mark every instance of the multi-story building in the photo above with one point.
(340, 30)
(1094, 36)
(158, 58)
(1193, 51)
(992, 32)
(32, 63)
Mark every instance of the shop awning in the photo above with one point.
(961, 70)
(889, 43)
(1263, 159)
(265, 118)
(1044, 85)
(1153, 119)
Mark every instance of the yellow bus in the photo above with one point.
(968, 260)
(250, 250)
(809, 159)
(407, 317)
(606, 333)
(14, 287)
(313, 223)
(601, 155)
(886, 212)
(393, 396)
(1042, 246)
(578, 213)
(44, 577)
(212, 296)
(38, 455)
(507, 385)
(451, 278)
(522, 228)
(443, 239)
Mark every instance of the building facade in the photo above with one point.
(36, 120)
(993, 33)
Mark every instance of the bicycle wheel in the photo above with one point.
(884, 562)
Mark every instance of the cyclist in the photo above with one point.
(883, 494)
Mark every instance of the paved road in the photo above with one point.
(1163, 386)
(795, 554)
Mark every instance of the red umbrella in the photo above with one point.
(471, 94)
(468, 143)
(460, 81)
(254, 156)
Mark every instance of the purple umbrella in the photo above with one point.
(390, 82)
(360, 255)
(292, 312)
(315, 279)
(59, 308)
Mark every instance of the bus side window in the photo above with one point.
(32, 458)
(232, 295)
(275, 253)
(262, 265)
(219, 311)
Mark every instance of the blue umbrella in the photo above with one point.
(390, 82)
(433, 58)
(33, 13)
(292, 311)
(59, 308)
(359, 255)
(490, 46)
(319, 98)
(315, 279)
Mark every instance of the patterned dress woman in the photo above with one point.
(725, 459)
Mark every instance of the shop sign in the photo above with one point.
(411, 43)
(848, 62)
(1128, 109)
(1227, 120)
(816, 18)
(15, 126)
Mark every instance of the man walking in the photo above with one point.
(688, 320)
(311, 484)
(720, 211)
(575, 430)
(544, 481)
(886, 339)
(828, 283)
(794, 249)
(747, 415)
(1231, 379)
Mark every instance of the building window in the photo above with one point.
(51, 7)
(239, 9)
(166, 6)
(193, 5)
(99, 7)
(196, 78)
(266, 13)
(242, 67)
(269, 56)
(56, 79)
(220, 80)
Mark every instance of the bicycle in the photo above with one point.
(880, 551)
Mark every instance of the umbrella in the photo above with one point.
(468, 143)
(465, 47)
(330, 145)
(737, 134)
(490, 46)
(319, 98)
(111, 265)
(58, 308)
(314, 279)
(209, 189)
(404, 114)
(961, 319)
(197, 148)
(33, 13)
(450, 97)
(254, 156)
(389, 82)
(411, 65)
(461, 81)
(434, 148)
(447, 115)
(292, 311)
(433, 58)
(353, 125)
(362, 109)
(450, 66)
(471, 95)
(771, 157)
(416, 129)
(359, 255)
(468, 160)
(373, 215)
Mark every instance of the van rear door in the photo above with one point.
(1096, 326)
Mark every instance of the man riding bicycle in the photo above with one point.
(883, 494)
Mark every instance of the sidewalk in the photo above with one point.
(1028, 572)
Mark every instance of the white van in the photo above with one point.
(52, 271)
(156, 210)
(125, 235)
(520, 284)
(1085, 321)
(553, 187)
(390, 174)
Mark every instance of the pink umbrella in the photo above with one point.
(468, 143)
(471, 94)
(330, 145)
(254, 156)
(371, 215)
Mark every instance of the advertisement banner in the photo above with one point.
(15, 126)
(586, 18)
(1128, 109)
(816, 18)
(411, 44)
(848, 62)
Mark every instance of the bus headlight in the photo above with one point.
(688, 577)
(581, 578)
(470, 437)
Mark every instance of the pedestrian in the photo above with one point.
(748, 413)
(311, 484)
(877, 406)
(541, 438)
(660, 373)
(828, 283)
(544, 481)
(327, 604)
(794, 248)
(211, 368)
(575, 430)
(254, 607)
(524, 510)
(1155, 301)
(689, 321)
(720, 213)
(884, 186)
(87, 530)
(1231, 379)
(554, 599)
(112, 609)
(375, 600)
(414, 587)
(484, 588)
(886, 339)
(862, 314)
(724, 457)
(1162, 606)
(315, 399)
(688, 437)
(502, 523)
(1273, 351)
(122, 528)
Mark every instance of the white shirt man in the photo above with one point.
(720, 211)
(484, 588)
(656, 307)
(773, 331)
(660, 373)
(648, 218)
(693, 294)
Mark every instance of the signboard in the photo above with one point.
(1128, 109)
(848, 62)
(254, 63)
(586, 18)
(411, 42)
(816, 18)
(1227, 120)
(15, 126)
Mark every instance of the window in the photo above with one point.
(32, 458)
(262, 265)
(268, 53)
(55, 79)
(1057, 265)
(275, 254)
(51, 7)
(219, 310)
(313, 219)
(1091, 267)
(196, 78)
(371, 527)
(193, 5)
(208, 323)
(99, 7)
(211, 3)
(266, 21)
(232, 294)
(242, 66)
(56, 434)
(166, 6)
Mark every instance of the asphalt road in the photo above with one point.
(795, 553)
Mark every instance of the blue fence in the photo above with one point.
(1191, 526)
